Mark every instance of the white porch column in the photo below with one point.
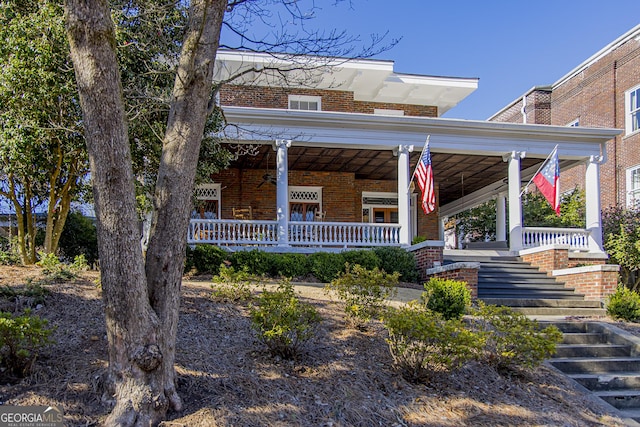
(501, 218)
(592, 204)
(515, 202)
(404, 202)
(282, 190)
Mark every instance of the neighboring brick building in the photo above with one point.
(602, 92)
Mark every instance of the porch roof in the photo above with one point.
(466, 154)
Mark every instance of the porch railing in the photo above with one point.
(345, 234)
(233, 232)
(576, 238)
(301, 233)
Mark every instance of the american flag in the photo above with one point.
(548, 180)
(424, 175)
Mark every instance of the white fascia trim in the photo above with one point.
(369, 131)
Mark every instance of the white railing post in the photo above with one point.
(282, 190)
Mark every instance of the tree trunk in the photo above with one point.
(141, 306)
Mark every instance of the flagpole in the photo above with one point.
(426, 144)
(536, 173)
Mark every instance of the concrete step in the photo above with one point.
(594, 365)
(485, 294)
(547, 285)
(592, 350)
(523, 302)
(621, 399)
(604, 382)
(561, 311)
(584, 338)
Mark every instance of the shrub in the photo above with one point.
(451, 298)
(423, 343)
(257, 262)
(291, 265)
(366, 258)
(397, 259)
(79, 237)
(364, 291)
(283, 322)
(232, 285)
(56, 270)
(326, 266)
(21, 338)
(513, 341)
(207, 258)
(624, 304)
(32, 294)
(418, 239)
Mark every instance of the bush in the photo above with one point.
(394, 259)
(624, 304)
(513, 341)
(56, 270)
(451, 298)
(257, 262)
(326, 266)
(423, 343)
(366, 258)
(207, 258)
(79, 237)
(364, 291)
(31, 295)
(232, 285)
(418, 239)
(283, 322)
(21, 338)
(291, 265)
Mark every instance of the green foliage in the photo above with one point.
(33, 293)
(624, 304)
(364, 291)
(451, 298)
(21, 339)
(397, 259)
(283, 322)
(207, 258)
(56, 270)
(232, 285)
(79, 237)
(9, 257)
(366, 258)
(418, 239)
(326, 266)
(513, 341)
(291, 265)
(479, 222)
(621, 238)
(256, 261)
(422, 343)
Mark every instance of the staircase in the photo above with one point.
(605, 360)
(507, 280)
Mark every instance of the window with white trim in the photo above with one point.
(305, 203)
(208, 200)
(574, 124)
(305, 102)
(632, 110)
(633, 186)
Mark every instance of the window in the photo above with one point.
(304, 102)
(574, 124)
(632, 110)
(633, 186)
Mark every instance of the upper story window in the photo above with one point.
(633, 186)
(632, 110)
(305, 102)
(574, 123)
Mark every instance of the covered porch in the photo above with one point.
(321, 180)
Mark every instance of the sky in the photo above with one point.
(511, 46)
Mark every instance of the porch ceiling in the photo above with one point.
(456, 174)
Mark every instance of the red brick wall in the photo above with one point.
(341, 195)
(595, 285)
(426, 257)
(332, 100)
(548, 260)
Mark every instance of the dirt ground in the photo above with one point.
(226, 378)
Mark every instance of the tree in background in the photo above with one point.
(621, 237)
(142, 291)
(42, 156)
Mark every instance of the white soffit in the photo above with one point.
(369, 80)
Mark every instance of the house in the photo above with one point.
(326, 150)
(603, 92)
